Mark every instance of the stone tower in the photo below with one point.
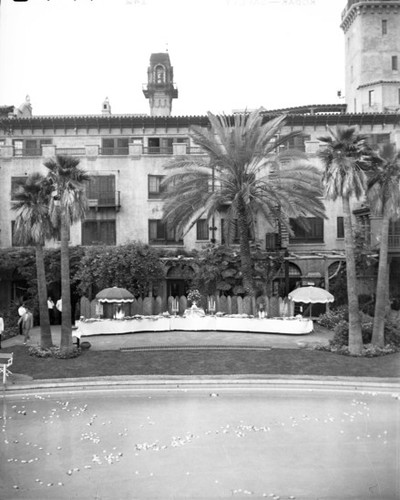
(160, 88)
(372, 52)
(106, 107)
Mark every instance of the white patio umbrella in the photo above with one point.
(311, 295)
(115, 295)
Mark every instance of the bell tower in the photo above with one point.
(372, 53)
(160, 88)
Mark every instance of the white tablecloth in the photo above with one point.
(285, 326)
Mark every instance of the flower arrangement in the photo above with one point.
(194, 296)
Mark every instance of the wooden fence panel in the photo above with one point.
(247, 309)
(93, 307)
(234, 302)
(290, 308)
(229, 305)
(157, 305)
(85, 307)
(138, 306)
(274, 307)
(148, 306)
(223, 304)
(182, 304)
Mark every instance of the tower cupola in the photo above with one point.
(160, 88)
(106, 107)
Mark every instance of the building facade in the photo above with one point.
(125, 157)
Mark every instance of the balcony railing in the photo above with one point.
(158, 150)
(71, 151)
(28, 152)
(121, 151)
(104, 200)
(124, 151)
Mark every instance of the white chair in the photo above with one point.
(6, 360)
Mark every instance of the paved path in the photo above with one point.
(149, 340)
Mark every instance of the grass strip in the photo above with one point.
(207, 362)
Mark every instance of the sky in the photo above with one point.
(69, 55)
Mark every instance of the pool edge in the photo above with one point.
(196, 382)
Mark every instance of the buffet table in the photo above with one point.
(232, 323)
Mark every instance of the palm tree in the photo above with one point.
(243, 175)
(384, 198)
(67, 206)
(32, 227)
(346, 158)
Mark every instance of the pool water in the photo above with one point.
(200, 443)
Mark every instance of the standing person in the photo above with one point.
(50, 305)
(1, 328)
(21, 312)
(27, 323)
(59, 308)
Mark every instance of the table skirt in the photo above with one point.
(285, 326)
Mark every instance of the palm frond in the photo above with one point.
(68, 182)
(243, 168)
(383, 191)
(31, 202)
(347, 158)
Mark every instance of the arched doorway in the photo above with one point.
(177, 280)
(279, 287)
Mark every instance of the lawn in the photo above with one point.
(204, 362)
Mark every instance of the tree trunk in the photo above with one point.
(355, 334)
(66, 325)
(245, 253)
(45, 330)
(378, 333)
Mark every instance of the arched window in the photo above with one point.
(160, 74)
(294, 271)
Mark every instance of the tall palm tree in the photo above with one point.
(244, 175)
(347, 158)
(67, 206)
(384, 198)
(32, 227)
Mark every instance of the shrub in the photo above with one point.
(367, 304)
(10, 317)
(54, 352)
(392, 333)
(331, 318)
(368, 351)
(339, 343)
(341, 336)
(396, 303)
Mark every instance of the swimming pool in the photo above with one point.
(200, 441)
